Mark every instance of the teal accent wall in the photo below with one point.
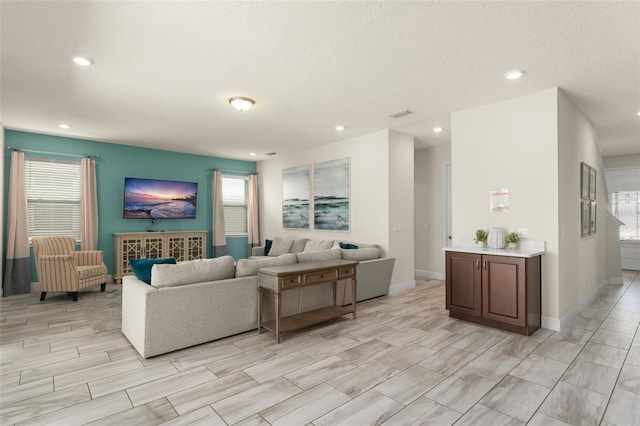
(119, 161)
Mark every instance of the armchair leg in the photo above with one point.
(75, 296)
(103, 286)
(43, 295)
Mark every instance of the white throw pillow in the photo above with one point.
(280, 246)
(192, 271)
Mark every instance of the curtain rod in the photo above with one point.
(35, 151)
(216, 169)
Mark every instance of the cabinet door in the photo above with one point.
(196, 247)
(504, 289)
(463, 283)
(176, 248)
(129, 248)
(153, 247)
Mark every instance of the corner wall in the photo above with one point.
(583, 261)
(371, 157)
(510, 144)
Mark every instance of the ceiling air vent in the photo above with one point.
(271, 153)
(400, 113)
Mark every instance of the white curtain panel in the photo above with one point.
(89, 206)
(219, 233)
(253, 228)
(17, 277)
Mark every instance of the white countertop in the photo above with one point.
(526, 248)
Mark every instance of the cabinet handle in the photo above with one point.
(478, 264)
(485, 265)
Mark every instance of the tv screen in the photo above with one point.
(159, 199)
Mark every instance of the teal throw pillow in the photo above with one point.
(348, 246)
(267, 247)
(142, 267)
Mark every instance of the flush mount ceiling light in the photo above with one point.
(64, 126)
(340, 127)
(253, 154)
(83, 61)
(437, 129)
(241, 103)
(514, 74)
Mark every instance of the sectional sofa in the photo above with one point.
(198, 301)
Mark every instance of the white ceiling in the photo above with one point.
(164, 70)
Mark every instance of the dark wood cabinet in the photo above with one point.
(498, 291)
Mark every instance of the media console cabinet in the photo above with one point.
(277, 279)
(495, 287)
(181, 245)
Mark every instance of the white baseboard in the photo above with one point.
(395, 288)
(429, 274)
(578, 307)
(615, 281)
(550, 323)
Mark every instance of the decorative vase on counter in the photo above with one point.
(512, 246)
(496, 238)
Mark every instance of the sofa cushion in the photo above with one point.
(280, 246)
(142, 267)
(267, 246)
(316, 245)
(192, 271)
(366, 253)
(298, 245)
(246, 267)
(318, 255)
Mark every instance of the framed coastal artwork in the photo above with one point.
(331, 195)
(592, 184)
(584, 180)
(296, 182)
(585, 220)
(592, 218)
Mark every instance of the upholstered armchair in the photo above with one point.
(61, 268)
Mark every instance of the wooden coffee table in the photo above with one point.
(277, 279)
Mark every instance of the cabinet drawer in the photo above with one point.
(291, 281)
(320, 276)
(347, 271)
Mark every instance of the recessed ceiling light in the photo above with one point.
(253, 154)
(638, 112)
(437, 129)
(82, 61)
(514, 74)
(241, 103)
(340, 127)
(64, 126)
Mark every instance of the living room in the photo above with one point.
(529, 136)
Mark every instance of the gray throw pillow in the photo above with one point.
(280, 246)
(316, 245)
(298, 245)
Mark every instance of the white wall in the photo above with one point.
(401, 206)
(510, 144)
(372, 158)
(2, 210)
(429, 220)
(583, 261)
(618, 161)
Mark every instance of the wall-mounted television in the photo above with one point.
(159, 199)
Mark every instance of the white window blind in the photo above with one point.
(625, 205)
(234, 197)
(53, 189)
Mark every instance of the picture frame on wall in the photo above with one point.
(592, 218)
(585, 207)
(584, 180)
(331, 195)
(592, 184)
(296, 184)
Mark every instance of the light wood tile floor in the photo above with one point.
(403, 361)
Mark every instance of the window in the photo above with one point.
(53, 189)
(234, 197)
(625, 205)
